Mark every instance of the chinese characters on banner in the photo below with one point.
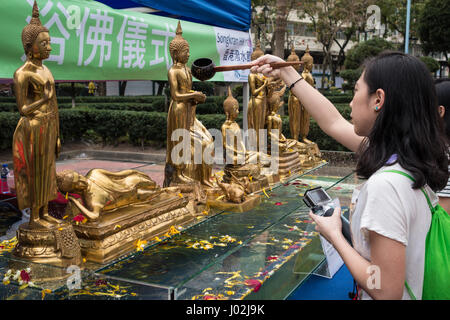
(89, 37)
(234, 47)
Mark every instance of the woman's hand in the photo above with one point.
(261, 65)
(329, 227)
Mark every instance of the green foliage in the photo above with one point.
(65, 89)
(351, 76)
(141, 127)
(431, 63)
(73, 123)
(393, 14)
(360, 53)
(146, 127)
(9, 122)
(366, 49)
(238, 91)
(8, 106)
(434, 26)
(204, 86)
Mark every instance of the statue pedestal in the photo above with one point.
(249, 203)
(288, 163)
(116, 232)
(314, 154)
(57, 246)
(258, 181)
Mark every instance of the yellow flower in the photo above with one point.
(230, 293)
(140, 244)
(180, 195)
(264, 190)
(173, 230)
(84, 260)
(156, 239)
(65, 217)
(117, 226)
(23, 286)
(44, 292)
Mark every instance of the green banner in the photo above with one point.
(91, 41)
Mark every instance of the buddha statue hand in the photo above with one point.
(199, 97)
(58, 147)
(92, 216)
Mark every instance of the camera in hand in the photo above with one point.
(321, 204)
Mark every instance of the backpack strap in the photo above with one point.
(411, 294)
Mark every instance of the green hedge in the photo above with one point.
(140, 128)
(212, 104)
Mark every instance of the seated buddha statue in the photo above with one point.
(273, 120)
(239, 162)
(103, 191)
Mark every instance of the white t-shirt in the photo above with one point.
(387, 205)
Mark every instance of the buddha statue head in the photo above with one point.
(308, 60)
(231, 106)
(35, 37)
(70, 181)
(294, 57)
(179, 47)
(257, 52)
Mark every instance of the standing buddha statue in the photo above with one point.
(294, 103)
(313, 149)
(36, 146)
(36, 142)
(181, 115)
(257, 106)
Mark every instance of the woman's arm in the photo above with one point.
(320, 108)
(384, 276)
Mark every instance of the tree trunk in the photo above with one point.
(280, 28)
(122, 88)
(101, 88)
(73, 94)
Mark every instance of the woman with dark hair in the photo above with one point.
(396, 126)
(443, 97)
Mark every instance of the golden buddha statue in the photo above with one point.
(257, 106)
(313, 150)
(233, 144)
(181, 115)
(36, 145)
(240, 163)
(121, 208)
(288, 157)
(103, 191)
(308, 63)
(294, 103)
(36, 141)
(273, 120)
